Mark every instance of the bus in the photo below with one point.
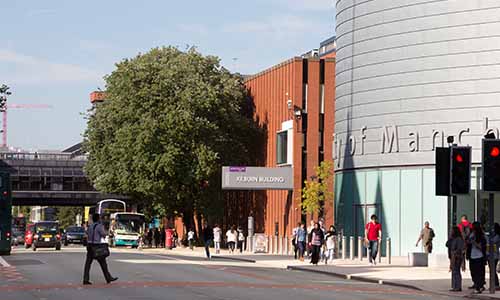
(5, 214)
(105, 208)
(126, 229)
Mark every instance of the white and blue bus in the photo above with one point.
(126, 229)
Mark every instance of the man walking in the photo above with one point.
(426, 236)
(208, 236)
(373, 235)
(96, 236)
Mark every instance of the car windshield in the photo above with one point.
(46, 227)
(75, 229)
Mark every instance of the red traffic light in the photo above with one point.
(495, 152)
(5, 193)
(459, 158)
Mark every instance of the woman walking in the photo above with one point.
(477, 243)
(330, 237)
(231, 236)
(496, 243)
(316, 237)
(217, 238)
(456, 248)
(241, 239)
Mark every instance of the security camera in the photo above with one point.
(289, 103)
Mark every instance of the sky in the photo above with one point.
(56, 52)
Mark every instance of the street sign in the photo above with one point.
(257, 178)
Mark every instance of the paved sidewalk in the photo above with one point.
(398, 273)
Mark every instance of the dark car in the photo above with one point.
(46, 235)
(74, 235)
(17, 237)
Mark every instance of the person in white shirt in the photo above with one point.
(241, 239)
(330, 237)
(191, 239)
(231, 237)
(217, 238)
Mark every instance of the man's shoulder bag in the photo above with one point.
(99, 250)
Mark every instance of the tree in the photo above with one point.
(170, 120)
(4, 92)
(67, 215)
(315, 191)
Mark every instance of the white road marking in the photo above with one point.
(4, 263)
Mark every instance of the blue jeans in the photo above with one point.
(373, 247)
(207, 247)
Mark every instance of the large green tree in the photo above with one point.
(67, 215)
(170, 120)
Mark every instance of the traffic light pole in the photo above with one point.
(454, 221)
(493, 269)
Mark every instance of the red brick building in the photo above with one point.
(298, 94)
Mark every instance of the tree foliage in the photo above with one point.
(170, 120)
(315, 191)
(4, 92)
(67, 215)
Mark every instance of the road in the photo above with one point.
(47, 274)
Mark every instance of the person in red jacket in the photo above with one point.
(465, 227)
(373, 236)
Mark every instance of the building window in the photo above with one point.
(282, 148)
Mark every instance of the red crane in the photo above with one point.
(22, 106)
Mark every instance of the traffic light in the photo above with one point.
(442, 171)
(491, 165)
(460, 169)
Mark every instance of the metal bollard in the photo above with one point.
(270, 243)
(275, 242)
(379, 251)
(388, 247)
(360, 248)
(351, 248)
(344, 247)
(287, 244)
(337, 247)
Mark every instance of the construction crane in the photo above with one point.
(16, 106)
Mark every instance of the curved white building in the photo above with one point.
(410, 73)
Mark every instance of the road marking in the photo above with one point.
(4, 263)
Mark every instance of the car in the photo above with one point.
(74, 235)
(17, 237)
(28, 235)
(46, 234)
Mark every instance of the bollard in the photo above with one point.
(360, 248)
(270, 244)
(388, 247)
(275, 243)
(379, 251)
(351, 248)
(287, 248)
(344, 241)
(337, 247)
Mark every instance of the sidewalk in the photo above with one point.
(436, 280)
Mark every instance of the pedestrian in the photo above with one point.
(97, 249)
(157, 237)
(465, 228)
(330, 237)
(241, 239)
(231, 237)
(294, 241)
(316, 238)
(208, 236)
(163, 236)
(456, 248)
(301, 241)
(309, 230)
(373, 236)
(496, 242)
(150, 238)
(175, 238)
(190, 238)
(477, 242)
(322, 250)
(426, 236)
(217, 238)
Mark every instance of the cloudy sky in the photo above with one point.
(56, 52)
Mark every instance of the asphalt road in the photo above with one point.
(47, 274)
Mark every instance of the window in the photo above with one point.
(282, 148)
